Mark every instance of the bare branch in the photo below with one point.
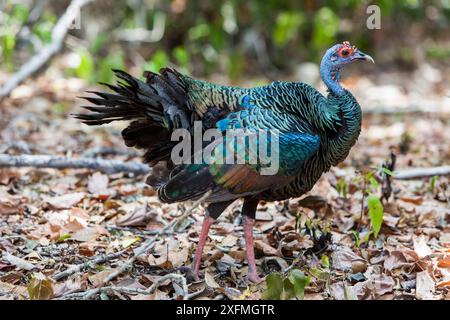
(36, 62)
(181, 280)
(90, 263)
(57, 162)
(418, 173)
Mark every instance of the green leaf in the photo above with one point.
(158, 61)
(288, 290)
(373, 183)
(433, 184)
(64, 237)
(8, 44)
(367, 235)
(235, 65)
(20, 13)
(375, 213)
(319, 274)
(182, 56)
(199, 31)
(299, 281)
(357, 239)
(275, 286)
(40, 287)
(325, 261)
(59, 107)
(112, 61)
(85, 70)
(287, 26)
(98, 43)
(129, 241)
(342, 187)
(44, 31)
(387, 171)
(326, 26)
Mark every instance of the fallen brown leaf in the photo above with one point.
(139, 216)
(98, 184)
(66, 201)
(344, 257)
(425, 286)
(265, 248)
(421, 247)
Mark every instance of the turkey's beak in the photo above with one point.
(362, 56)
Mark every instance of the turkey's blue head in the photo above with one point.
(334, 59)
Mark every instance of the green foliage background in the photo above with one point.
(236, 38)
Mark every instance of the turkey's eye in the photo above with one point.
(345, 52)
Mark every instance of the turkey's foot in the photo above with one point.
(196, 275)
(253, 277)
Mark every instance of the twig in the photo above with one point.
(409, 111)
(21, 146)
(102, 151)
(136, 231)
(149, 243)
(386, 188)
(172, 276)
(36, 62)
(57, 162)
(87, 264)
(417, 173)
(362, 202)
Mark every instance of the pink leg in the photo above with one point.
(248, 234)
(207, 222)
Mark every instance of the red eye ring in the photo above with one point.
(344, 52)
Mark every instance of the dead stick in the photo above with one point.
(418, 173)
(58, 162)
(172, 276)
(36, 62)
(80, 267)
(149, 243)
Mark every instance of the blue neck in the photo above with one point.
(331, 75)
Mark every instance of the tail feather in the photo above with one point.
(155, 99)
(186, 185)
(155, 107)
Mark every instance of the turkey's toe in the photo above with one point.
(196, 275)
(253, 277)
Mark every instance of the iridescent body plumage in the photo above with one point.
(315, 133)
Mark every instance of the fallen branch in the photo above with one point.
(103, 151)
(147, 245)
(87, 264)
(57, 162)
(115, 166)
(36, 62)
(386, 186)
(409, 111)
(172, 276)
(418, 173)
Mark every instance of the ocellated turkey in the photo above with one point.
(315, 133)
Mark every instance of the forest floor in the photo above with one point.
(52, 220)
